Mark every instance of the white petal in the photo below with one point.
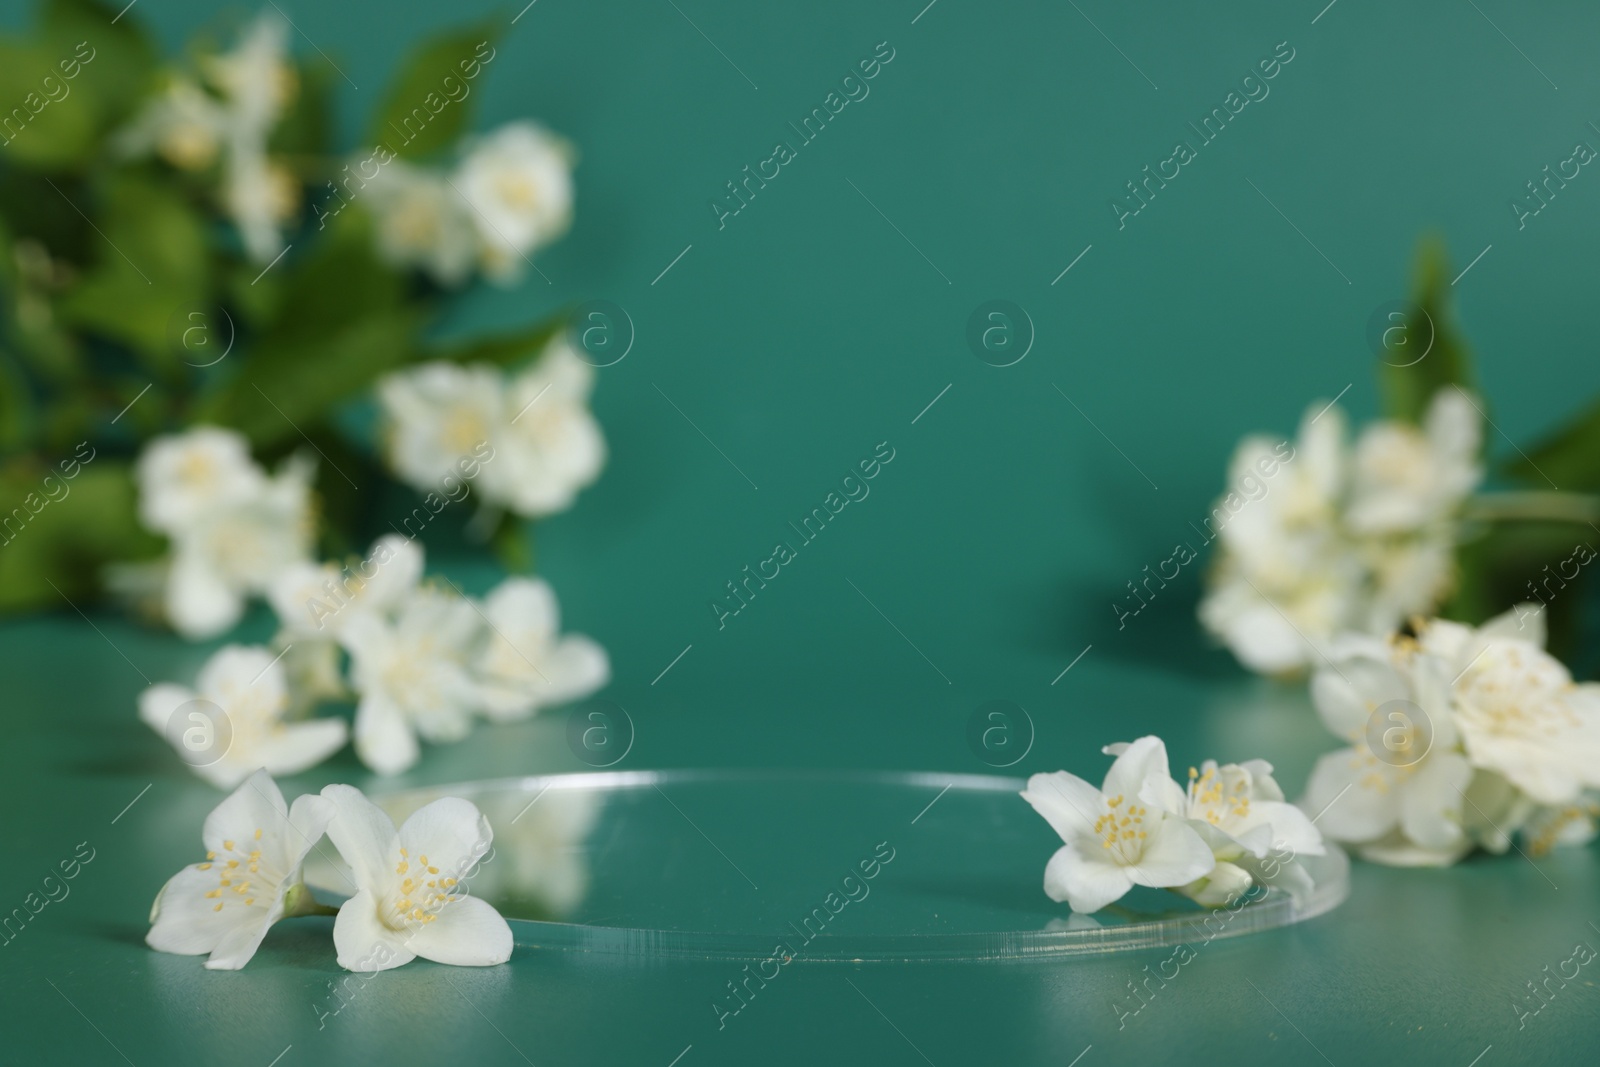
(362, 942)
(1396, 851)
(365, 837)
(396, 566)
(1265, 641)
(1086, 886)
(1225, 884)
(467, 933)
(1068, 803)
(298, 746)
(384, 739)
(1430, 805)
(302, 605)
(245, 680)
(1366, 810)
(1173, 855)
(237, 946)
(1347, 697)
(256, 805)
(1164, 794)
(200, 602)
(523, 604)
(576, 667)
(309, 818)
(1290, 827)
(184, 921)
(1143, 760)
(1525, 622)
(452, 833)
(157, 704)
(1262, 784)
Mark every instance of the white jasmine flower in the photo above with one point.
(256, 78)
(412, 672)
(538, 431)
(1282, 574)
(518, 181)
(260, 196)
(316, 600)
(184, 476)
(1405, 478)
(527, 664)
(184, 125)
(539, 855)
(1518, 710)
(1406, 577)
(440, 414)
(412, 899)
(250, 688)
(1565, 825)
(1255, 835)
(1340, 541)
(1121, 835)
(257, 82)
(255, 845)
(237, 547)
(422, 222)
(549, 446)
(1404, 809)
(187, 127)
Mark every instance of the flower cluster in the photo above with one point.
(545, 442)
(510, 194)
(232, 526)
(213, 277)
(226, 116)
(409, 892)
(1344, 540)
(1460, 737)
(423, 661)
(1228, 831)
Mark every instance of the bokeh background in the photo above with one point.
(776, 351)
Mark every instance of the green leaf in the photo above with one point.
(34, 207)
(116, 61)
(1408, 389)
(26, 270)
(49, 121)
(513, 544)
(341, 321)
(306, 129)
(91, 521)
(285, 388)
(503, 350)
(17, 424)
(1532, 562)
(152, 265)
(420, 116)
(342, 281)
(1569, 458)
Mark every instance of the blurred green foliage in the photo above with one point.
(123, 283)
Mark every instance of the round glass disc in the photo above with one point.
(810, 866)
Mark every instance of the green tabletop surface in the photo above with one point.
(827, 319)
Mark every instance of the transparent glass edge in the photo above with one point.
(1331, 888)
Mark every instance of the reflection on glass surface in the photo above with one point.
(539, 867)
(826, 865)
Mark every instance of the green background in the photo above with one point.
(819, 322)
